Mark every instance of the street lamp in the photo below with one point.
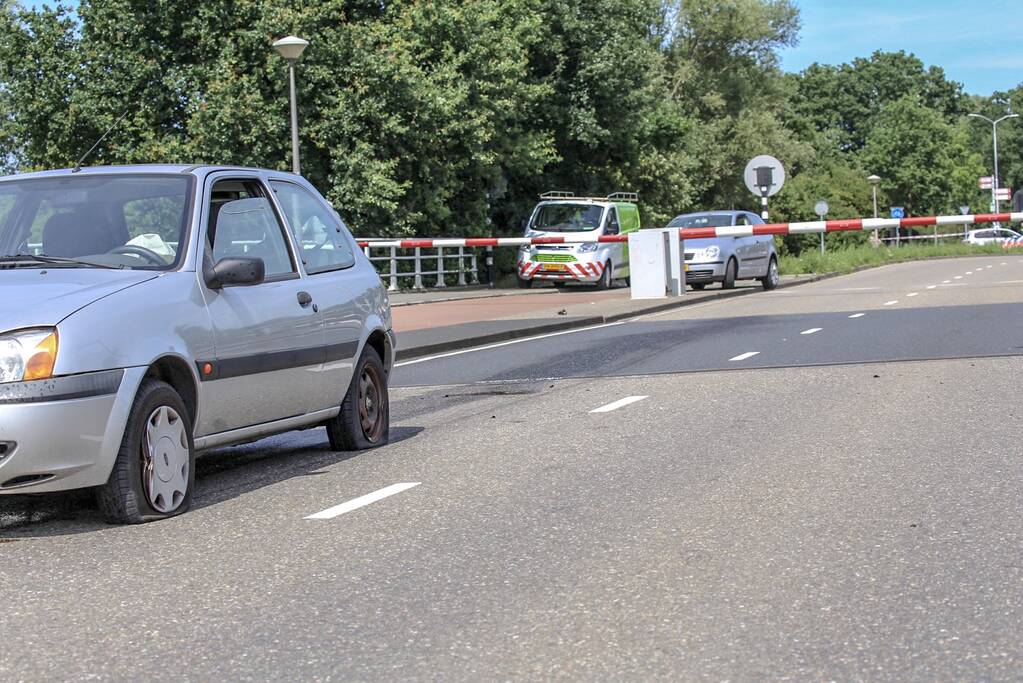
(994, 136)
(291, 49)
(874, 180)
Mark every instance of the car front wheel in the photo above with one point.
(731, 271)
(365, 417)
(154, 473)
(770, 281)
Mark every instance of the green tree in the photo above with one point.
(926, 163)
(846, 100)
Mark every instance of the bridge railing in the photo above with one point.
(460, 262)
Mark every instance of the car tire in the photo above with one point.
(770, 281)
(525, 284)
(559, 284)
(730, 272)
(154, 474)
(698, 286)
(365, 417)
(606, 278)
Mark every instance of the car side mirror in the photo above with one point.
(236, 271)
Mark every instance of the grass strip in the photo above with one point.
(849, 259)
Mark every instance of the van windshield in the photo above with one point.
(110, 221)
(701, 220)
(567, 218)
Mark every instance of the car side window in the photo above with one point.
(742, 219)
(321, 239)
(243, 225)
(612, 221)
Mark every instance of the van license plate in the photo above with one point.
(555, 267)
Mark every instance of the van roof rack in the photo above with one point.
(613, 197)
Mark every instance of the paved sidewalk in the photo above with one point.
(436, 322)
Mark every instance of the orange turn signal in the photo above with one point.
(44, 357)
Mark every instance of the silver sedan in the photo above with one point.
(727, 259)
(151, 312)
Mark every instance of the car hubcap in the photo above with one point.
(371, 404)
(774, 273)
(165, 460)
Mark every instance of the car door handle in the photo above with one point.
(304, 299)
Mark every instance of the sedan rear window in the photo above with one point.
(701, 220)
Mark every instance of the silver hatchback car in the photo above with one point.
(149, 312)
(727, 259)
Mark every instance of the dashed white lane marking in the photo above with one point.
(507, 343)
(988, 266)
(362, 501)
(969, 272)
(912, 293)
(1004, 263)
(958, 277)
(621, 403)
(1010, 282)
(744, 356)
(891, 303)
(946, 282)
(932, 286)
(857, 315)
(812, 330)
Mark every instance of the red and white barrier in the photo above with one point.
(702, 233)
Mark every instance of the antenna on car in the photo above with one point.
(78, 166)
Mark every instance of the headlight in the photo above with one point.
(711, 252)
(588, 247)
(28, 355)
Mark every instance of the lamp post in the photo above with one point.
(874, 180)
(994, 137)
(291, 49)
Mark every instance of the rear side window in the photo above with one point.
(317, 231)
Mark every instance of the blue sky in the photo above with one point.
(976, 43)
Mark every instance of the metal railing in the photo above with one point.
(461, 256)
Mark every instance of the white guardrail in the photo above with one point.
(464, 259)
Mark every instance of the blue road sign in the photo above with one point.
(898, 212)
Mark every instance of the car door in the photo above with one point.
(613, 227)
(337, 289)
(745, 249)
(268, 337)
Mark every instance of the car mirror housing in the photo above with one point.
(236, 271)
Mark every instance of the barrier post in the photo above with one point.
(648, 263)
(393, 286)
(418, 282)
(440, 268)
(490, 267)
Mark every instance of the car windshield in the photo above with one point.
(567, 217)
(701, 220)
(108, 221)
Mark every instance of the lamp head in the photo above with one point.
(291, 47)
(873, 179)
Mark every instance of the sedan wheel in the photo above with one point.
(771, 280)
(371, 411)
(165, 457)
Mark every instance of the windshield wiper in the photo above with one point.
(34, 259)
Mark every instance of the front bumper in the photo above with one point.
(708, 271)
(63, 433)
(586, 268)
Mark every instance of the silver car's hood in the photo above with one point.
(37, 297)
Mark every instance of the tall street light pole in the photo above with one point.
(874, 180)
(291, 49)
(994, 137)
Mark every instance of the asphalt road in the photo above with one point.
(844, 505)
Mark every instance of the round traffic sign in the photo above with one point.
(821, 208)
(764, 175)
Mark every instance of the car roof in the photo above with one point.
(729, 212)
(185, 169)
